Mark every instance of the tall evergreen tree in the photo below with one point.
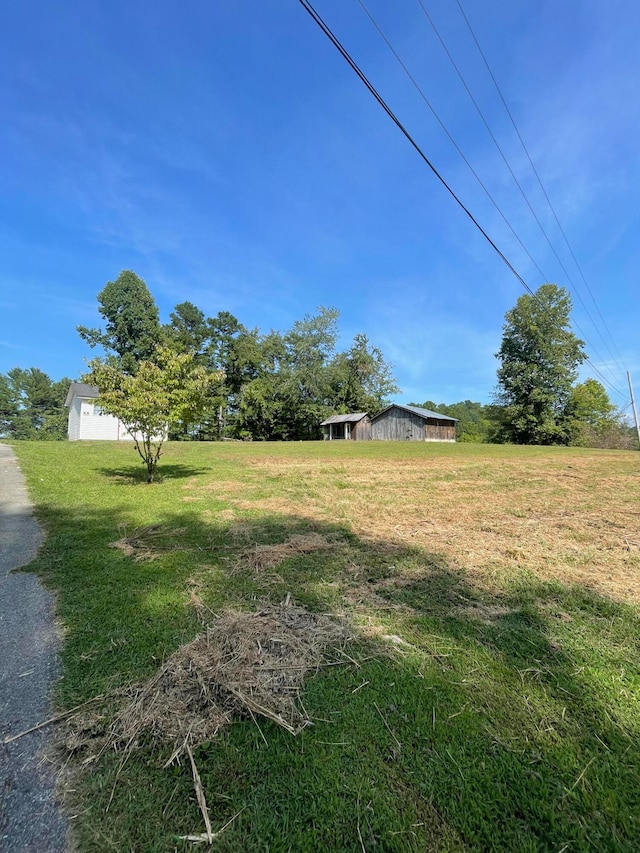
(539, 356)
(187, 331)
(234, 350)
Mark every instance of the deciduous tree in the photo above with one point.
(593, 419)
(362, 378)
(163, 392)
(302, 380)
(539, 356)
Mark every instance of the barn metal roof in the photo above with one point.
(81, 389)
(344, 419)
(416, 410)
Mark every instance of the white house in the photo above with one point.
(86, 418)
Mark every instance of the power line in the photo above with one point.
(347, 57)
(450, 137)
(308, 7)
(473, 171)
(462, 155)
(511, 172)
(542, 187)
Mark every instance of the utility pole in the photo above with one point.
(633, 406)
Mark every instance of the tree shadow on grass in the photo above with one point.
(480, 717)
(137, 474)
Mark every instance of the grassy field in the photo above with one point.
(494, 595)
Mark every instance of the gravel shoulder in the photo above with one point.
(29, 817)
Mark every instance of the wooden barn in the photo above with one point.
(410, 423)
(355, 427)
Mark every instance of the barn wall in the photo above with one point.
(440, 430)
(398, 425)
(362, 430)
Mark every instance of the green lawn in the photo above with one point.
(507, 718)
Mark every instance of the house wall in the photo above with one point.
(73, 427)
(87, 422)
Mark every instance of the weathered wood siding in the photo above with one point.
(354, 430)
(400, 425)
(361, 431)
(440, 430)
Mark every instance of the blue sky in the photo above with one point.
(226, 153)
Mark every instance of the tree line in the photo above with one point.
(268, 386)
(265, 386)
(32, 405)
(281, 385)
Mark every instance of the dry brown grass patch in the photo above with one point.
(195, 601)
(570, 516)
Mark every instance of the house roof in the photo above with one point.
(81, 389)
(344, 419)
(416, 410)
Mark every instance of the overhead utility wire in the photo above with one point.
(346, 56)
(508, 165)
(475, 174)
(307, 6)
(542, 187)
(450, 137)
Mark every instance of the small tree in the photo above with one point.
(167, 391)
(594, 420)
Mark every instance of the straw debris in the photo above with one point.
(146, 543)
(261, 557)
(244, 665)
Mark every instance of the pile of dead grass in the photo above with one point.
(244, 665)
(146, 543)
(260, 557)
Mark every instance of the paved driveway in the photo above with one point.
(29, 819)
